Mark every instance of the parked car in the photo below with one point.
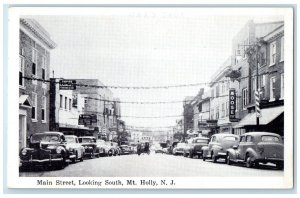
(110, 148)
(125, 150)
(218, 146)
(76, 150)
(158, 149)
(194, 146)
(104, 150)
(258, 147)
(90, 146)
(45, 149)
(179, 149)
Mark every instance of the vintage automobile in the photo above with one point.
(45, 149)
(125, 150)
(104, 149)
(76, 150)
(194, 146)
(89, 144)
(179, 148)
(218, 146)
(258, 147)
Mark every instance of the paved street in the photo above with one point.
(154, 165)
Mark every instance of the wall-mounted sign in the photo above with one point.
(232, 105)
(87, 119)
(67, 84)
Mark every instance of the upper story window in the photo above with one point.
(70, 104)
(282, 49)
(273, 53)
(60, 101)
(212, 114)
(66, 103)
(43, 68)
(282, 86)
(217, 112)
(223, 110)
(272, 88)
(245, 97)
(21, 71)
(34, 61)
(227, 109)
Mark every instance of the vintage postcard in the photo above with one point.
(150, 97)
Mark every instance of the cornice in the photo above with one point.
(38, 31)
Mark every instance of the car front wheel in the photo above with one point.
(228, 160)
(249, 162)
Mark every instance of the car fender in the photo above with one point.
(252, 153)
(232, 153)
(205, 150)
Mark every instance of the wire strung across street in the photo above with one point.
(144, 87)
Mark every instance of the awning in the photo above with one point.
(24, 101)
(267, 115)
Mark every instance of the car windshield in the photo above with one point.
(230, 138)
(269, 138)
(45, 138)
(70, 139)
(201, 141)
(86, 140)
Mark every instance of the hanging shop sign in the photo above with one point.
(67, 84)
(232, 106)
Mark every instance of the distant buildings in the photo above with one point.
(34, 61)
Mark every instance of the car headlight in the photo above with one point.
(58, 150)
(85, 147)
(24, 152)
(90, 147)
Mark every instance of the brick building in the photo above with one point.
(268, 57)
(34, 62)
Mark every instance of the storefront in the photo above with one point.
(271, 120)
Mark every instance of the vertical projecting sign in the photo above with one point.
(232, 105)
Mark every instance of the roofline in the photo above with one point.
(38, 31)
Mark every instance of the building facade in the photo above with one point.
(34, 66)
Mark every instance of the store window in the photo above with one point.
(282, 86)
(282, 49)
(21, 70)
(272, 53)
(60, 101)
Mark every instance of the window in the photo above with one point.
(217, 112)
(217, 90)
(60, 101)
(273, 53)
(34, 61)
(282, 86)
(212, 114)
(223, 110)
(245, 98)
(282, 49)
(70, 104)
(249, 138)
(44, 108)
(243, 139)
(34, 106)
(44, 68)
(272, 88)
(269, 138)
(21, 70)
(227, 108)
(66, 103)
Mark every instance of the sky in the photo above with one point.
(144, 48)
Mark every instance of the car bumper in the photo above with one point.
(40, 162)
(272, 160)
